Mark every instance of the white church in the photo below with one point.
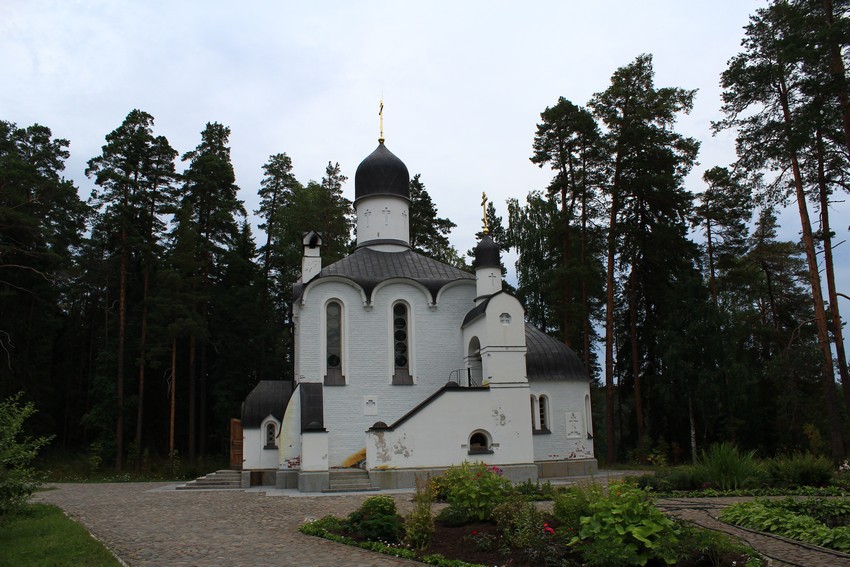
(405, 366)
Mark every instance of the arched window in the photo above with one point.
(271, 435)
(534, 424)
(475, 371)
(333, 346)
(543, 405)
(401, 345)
(480, 443)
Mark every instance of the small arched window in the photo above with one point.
(543, 405)
(401, 345)
(480, 443)
(271, 435)
(333, 346)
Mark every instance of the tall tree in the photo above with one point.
(213, 211)
(725, 209)
(769, 76)
(647, 204)
(135, 172)
(42, 220)
(569, 141)
(429, 233)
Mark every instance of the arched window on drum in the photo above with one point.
(401, 344)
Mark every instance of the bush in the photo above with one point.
(724, 465)
(419, 524)
(476, 488)
(453, 516)
(524, 527)
(624, 528)
(573, 503)
(17, 479)
(800, 469)
(376, 519)
(535, 490)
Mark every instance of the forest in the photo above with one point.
(137, 320)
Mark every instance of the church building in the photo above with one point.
(405, 366)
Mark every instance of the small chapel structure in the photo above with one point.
(405, 366)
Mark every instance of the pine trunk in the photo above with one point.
(827, 373)
(144, 330)
(837, 332)
(192, 400)
(119, 386)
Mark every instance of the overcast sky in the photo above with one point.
(463, 82)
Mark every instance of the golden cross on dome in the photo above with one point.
(381, 115)
(484, 206)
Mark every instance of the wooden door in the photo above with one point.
(236, 444)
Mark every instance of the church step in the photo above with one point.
(219, 480)
(349, 480)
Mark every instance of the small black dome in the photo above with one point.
(486, 254)
(381, 173)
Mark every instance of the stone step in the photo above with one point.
(349, 480)
(219, 480)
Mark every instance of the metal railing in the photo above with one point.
(465, 378)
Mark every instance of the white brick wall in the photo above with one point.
(436, 350)
(564, 398)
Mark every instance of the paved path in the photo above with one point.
(781, 551)
(151, 524)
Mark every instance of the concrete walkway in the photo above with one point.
(152, 524)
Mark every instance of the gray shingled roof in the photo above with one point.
(367, 268)
(267, 397)
(548, 359)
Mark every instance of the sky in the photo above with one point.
(463, 83)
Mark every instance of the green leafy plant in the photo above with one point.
(525, 527)
(18, 479)
(419, 523)
(376, 519)
(800, 469)
(624, 528)
(779, 518)
(476, 488)
(570, 505)
(727, 467)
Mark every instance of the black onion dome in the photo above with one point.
(381, 173)
(486, 254)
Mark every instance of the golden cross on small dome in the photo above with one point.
(484, 206)
(381, 115)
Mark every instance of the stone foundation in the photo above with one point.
(556, 469)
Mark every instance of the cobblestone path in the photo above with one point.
(781, 551)
(148, 524)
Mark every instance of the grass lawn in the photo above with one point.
(44, 536)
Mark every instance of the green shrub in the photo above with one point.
(440, 488)
(535, 490)
(624, 528)
(453, 516)
(573, 503)
(376, 519)
(476, 488)
(800, 469)
(419, 524)
(18, 479)
(524, 527)
(725, 466)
